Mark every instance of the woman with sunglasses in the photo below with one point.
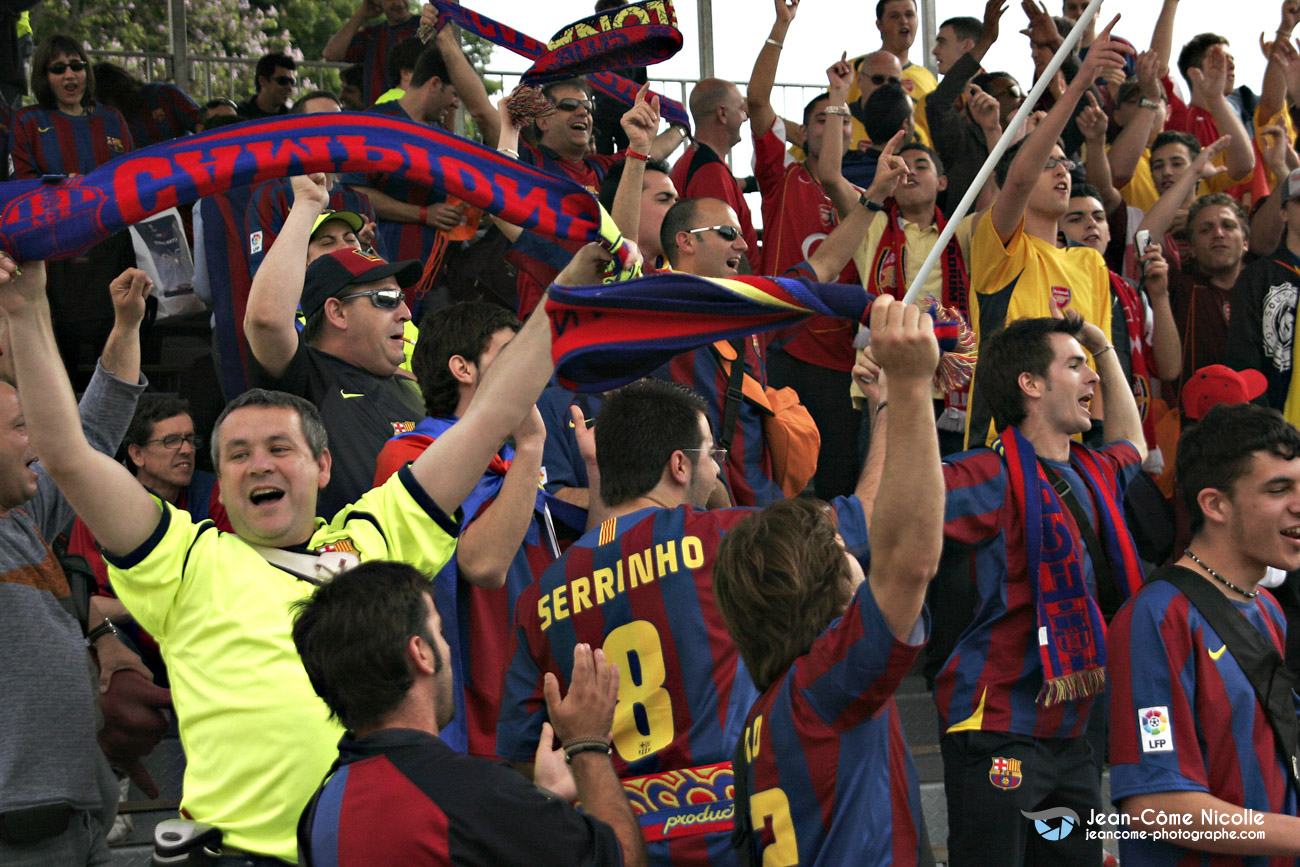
(68, 133)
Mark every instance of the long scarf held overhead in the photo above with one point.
(639, 34)
(40, 220)
(1070, 629)
(611, 84)
(609, 335)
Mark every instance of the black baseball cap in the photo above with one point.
(333, 272)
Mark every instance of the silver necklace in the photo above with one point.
(1249, 594)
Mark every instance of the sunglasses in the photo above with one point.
(384, 299)
(173, 441)
(61, 67)
(728, 233)
(571, 104)
(284, 80)
(878, 80)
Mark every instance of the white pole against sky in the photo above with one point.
(1008, 136)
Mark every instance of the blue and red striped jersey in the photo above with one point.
(168, 113)
(49, 142)
(749, 466)
(831, 779)
(992, 679)
(370, 47)
(221, 252)
(6, 121)
(402, 240)
(401, 796)
(641, 587)
(1183, 717)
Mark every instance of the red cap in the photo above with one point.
(1215, 384)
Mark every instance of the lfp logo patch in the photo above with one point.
(1005, 773)
(1157, 736)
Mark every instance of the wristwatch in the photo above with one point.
(868, 204)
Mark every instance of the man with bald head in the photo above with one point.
(702, 171)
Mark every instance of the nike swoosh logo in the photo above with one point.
(43, 128)
(347, 395)
(1215, 654)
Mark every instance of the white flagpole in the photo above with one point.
(999, 149)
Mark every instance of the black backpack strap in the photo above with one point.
(742, 828)
(735, 394)
(1258, 659)
(1108, 595)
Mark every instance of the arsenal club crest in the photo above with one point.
(1061, 295)
(1005, 773)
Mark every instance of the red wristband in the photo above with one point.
(633, 155)
(424, 214)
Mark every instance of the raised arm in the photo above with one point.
(121, 355)
(639, 124)
(1207, 89)
(449, 469)
(486, 548)
(1092, 122)
(1161, 217)
(469, 86)
(830, 165)
(122, 521)
(907, 518)
(269, 318)
(830, 257)
(337, 47)
(1165, 343)
(1131, 143)
(1009, 207)
(1123, 421)
(1266, 224)
(758, 94)
(1272, 95)
(1162, 37)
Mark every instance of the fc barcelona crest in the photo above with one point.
(1005, 773)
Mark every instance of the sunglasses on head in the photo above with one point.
(571, 104)
(879, 80)
(384, 299)
(728, 233)
(62, 67)
(284, 80)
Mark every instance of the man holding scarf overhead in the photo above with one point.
(1015, 695)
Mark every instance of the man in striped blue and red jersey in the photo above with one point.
(369, 45)
(824, 775)
(640, 585)
(1015, 695)
(1189, 736)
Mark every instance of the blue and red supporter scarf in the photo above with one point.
(63, 217)
(606, 336)
(638, 34)
(612, 85)
(1070, 630)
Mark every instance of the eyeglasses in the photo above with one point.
(728, 233)
(284, 80)
(384, 299)
(173, 441)
(571, 104)
(61, 67)
(878, 80)
(1053, 162)
(719, 455)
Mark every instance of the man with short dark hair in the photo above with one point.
(1189, 735)
(353, 341)
(218, 602)
(275, 83)
(896, 20)
(956, 37)
(1051, 556)
(401, 63)
(639, 585)
(828, 648)
(370, 45)
(434, 806)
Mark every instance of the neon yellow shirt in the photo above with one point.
(257, 738)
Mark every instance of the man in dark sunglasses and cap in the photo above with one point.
(346, 358)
